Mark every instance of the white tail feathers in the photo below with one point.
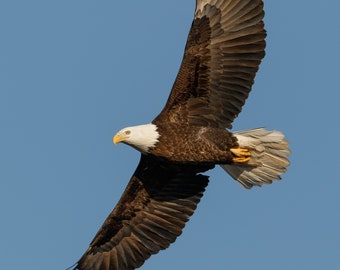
(268, 160)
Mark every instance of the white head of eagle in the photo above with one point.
(142, 137)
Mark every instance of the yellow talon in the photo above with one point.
(242, 155)
(241, 159)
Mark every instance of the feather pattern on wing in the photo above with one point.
(151, 214)
(224, 49)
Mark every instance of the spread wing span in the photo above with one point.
(150, 215)
(224, 49)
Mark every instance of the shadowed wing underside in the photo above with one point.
(149, 216)
(224, 49)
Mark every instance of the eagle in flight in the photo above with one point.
(191, 135)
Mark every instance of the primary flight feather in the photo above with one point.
(224, 49)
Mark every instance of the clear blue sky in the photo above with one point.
(72, 73)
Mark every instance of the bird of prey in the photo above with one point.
(191, 135)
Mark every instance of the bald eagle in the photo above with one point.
(224, 48)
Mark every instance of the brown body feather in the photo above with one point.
(198, 144)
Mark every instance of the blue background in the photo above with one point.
(72, 73)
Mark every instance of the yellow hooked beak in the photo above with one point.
(119, 137)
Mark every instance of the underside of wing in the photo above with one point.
(152, 212)
(224, 49)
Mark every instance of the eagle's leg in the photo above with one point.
(241, 155)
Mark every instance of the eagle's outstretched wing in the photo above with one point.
(151, 213)
(224, 49)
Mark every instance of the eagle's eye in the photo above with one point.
(127, 132)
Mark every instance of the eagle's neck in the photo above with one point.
(144, 137)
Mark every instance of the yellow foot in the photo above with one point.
(241, 159)
(241, 155)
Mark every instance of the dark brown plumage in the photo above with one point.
(213, 144)
(224, 49)
(149, 216)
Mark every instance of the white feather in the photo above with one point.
(269, 157)
(142, 137)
